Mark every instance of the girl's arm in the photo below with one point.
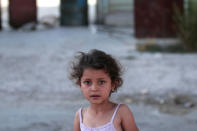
(127, 119)
(76, 122)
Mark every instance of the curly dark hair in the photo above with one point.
(96, 59)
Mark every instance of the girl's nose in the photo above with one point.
(94, 87)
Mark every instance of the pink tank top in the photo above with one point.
(107, 127)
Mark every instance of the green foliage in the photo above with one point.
(186, 25)
(178, 48)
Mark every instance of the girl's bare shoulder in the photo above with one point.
(127, 118)
(77, 114)
(124, 109)
(76, 124)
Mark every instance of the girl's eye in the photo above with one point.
(101, 82)
(87, 82)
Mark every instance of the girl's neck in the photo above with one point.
(96, 108)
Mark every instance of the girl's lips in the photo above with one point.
(95, 96)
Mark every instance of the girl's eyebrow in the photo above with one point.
(87, 79)
(101, 78)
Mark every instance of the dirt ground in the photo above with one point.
(36, 94)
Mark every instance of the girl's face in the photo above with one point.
(96, 85)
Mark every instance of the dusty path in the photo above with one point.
(36, 95)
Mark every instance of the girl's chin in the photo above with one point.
(97, 101)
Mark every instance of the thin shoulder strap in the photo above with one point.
(80, 115)
(115, 112)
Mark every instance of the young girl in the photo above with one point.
(98, 75)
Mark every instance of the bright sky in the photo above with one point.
(48, 3)
(92, 2)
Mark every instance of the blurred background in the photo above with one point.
(154, 40)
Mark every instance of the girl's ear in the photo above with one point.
(114, 83)
(113, 86)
